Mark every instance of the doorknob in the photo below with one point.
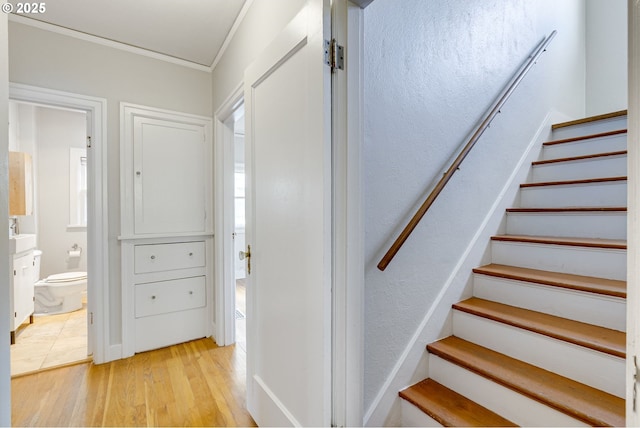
(246, 255)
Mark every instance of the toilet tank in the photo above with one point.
(37, 254)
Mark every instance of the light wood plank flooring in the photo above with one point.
(191, 384)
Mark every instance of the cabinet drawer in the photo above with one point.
(169, 296)
(163, 257)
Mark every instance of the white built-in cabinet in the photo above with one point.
(166, 224)
(22, 268)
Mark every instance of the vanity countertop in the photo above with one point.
(22, 242)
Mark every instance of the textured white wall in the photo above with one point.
(606, 56)
(41, 58)
(57, 131)
(431, 70)
(5, 364)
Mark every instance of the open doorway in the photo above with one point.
(51, 141)
(90, 209)
(239, 192)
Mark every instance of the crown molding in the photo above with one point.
(107, 42)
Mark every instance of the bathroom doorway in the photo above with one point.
(54, 138)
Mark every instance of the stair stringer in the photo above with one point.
(412, 366)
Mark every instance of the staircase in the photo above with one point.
(542, 340)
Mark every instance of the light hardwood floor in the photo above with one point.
(192, 384)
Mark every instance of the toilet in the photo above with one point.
(58, 293)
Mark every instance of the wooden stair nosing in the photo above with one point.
(572, 182)
(589, 119)
(590, 336)
(584, 137)
(579, 158)
(585, 403)
(615, 244)
(449, 408)
(567, 210)
(603, 286)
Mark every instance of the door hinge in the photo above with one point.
(91, 318)
(333, 55)
(89, 141)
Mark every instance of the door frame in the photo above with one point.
(348, 218)
(348, 248)
(224, 218)
(633, 210)
(97, 228)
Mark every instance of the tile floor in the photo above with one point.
(52, 340)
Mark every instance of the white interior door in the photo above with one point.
(288, 131)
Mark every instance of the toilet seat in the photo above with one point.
(66, 277)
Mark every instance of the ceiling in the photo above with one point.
(191, 30)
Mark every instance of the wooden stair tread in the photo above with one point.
(609, 287)
(590, 405)
(618, 244)
(590, 336)
(589, 119)
(449, 408)
(567, 210)
(579, 158)
(571, 182)
(585, 137)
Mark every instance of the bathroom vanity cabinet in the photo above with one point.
(20, 184)
(167, 238)
(21, 290)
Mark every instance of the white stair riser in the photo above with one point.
(607, 194)
(414, 417)
(598, 262)
(596, 369)
(591, 128)
(590, 308)
(592, 146)
(609, 225)
(608, 166)
(499, 399)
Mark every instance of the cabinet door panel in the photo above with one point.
(23, 287)
(169, 185)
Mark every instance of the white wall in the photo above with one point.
(261, 24)
(431, 70)
(57, 131)
(5, 363)
(606, 56)
(64, 63)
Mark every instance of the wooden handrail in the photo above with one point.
(494, 110)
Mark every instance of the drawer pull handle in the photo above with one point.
(190, 292)
(153, 297)
(190, 254)
(153, 257)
